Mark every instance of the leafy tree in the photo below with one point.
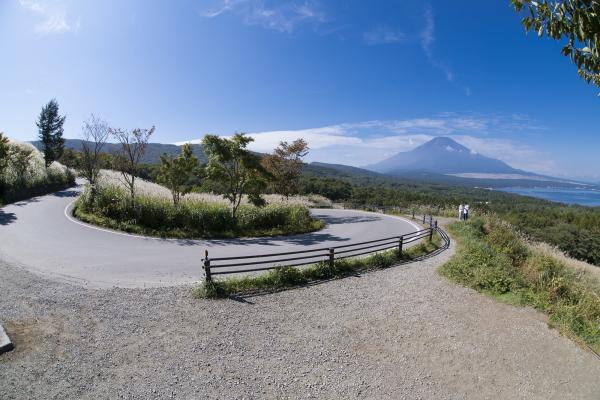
(178, 173)
(239, 170)
(71, 158)
(50, 127)
(20, 162)
(578, 21)
(333, 189)
(133, 145)
(95, 134)
(285, 165)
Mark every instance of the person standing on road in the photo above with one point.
(461, 210)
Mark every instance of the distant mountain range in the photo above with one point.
(441, 160)
(151, 156)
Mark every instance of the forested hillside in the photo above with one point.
(574, 229)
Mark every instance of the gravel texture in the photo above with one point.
(400, 333)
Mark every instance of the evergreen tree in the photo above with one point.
(50, 127)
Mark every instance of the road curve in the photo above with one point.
(40, 235)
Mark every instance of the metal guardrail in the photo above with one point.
(265, 262)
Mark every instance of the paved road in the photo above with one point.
(40, 235)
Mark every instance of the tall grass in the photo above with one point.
(157, 216)
(109, 178)
(493, 258)
(37, 179)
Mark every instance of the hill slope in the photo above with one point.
(151, 156)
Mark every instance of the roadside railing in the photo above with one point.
(265, 262)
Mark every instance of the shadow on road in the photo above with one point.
(7, 218)
(66, 193)
(334, 220)
(307, 239)
(22, 203)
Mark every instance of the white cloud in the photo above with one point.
(383, 35)
(515, 154)
(32, 6)
(54, 16)
(282, 17)
(367, 142)
(222, 7)
(427, 40)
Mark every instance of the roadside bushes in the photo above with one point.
(24, 174)
(493, 258)
(112, 207)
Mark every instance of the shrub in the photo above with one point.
(159, 216)
(494, 259)
(25, 174)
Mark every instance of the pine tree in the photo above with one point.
(50, 127)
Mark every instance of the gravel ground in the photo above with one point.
(401, 333)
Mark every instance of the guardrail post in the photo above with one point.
(431, 232)
(206, 267)
(423, 219)
(400, 243)
(331, 257)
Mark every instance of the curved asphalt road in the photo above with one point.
(40, 235)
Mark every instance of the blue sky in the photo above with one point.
(360, 80)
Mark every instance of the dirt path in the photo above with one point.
(400, 333)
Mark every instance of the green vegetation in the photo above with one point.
(23, 173)
(238, 171)
(574, 229)
(232, 171)
(573, 20)
(154, 216)
(494, 259)
(178, 173)
(285, 166)
(290, 277)
(50, 125)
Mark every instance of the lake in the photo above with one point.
(584, 197)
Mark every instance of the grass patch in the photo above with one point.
(190, 219)
(289, 277)
(494, 259)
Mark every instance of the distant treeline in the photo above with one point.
(572, 228)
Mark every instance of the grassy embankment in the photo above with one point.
(289, 277)
(494, 259)
(154, 214)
